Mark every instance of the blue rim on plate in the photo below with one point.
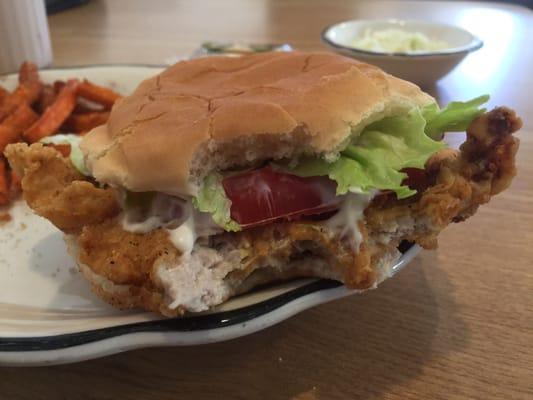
(476, 44)
(185, 324)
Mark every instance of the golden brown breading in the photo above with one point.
(285, 242)
(126, 261)
(121, 265)
(125, 296)
(460, 181)
(55, 190)
(123, 257)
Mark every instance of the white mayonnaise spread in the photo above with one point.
(153, 211)
(198, 279)
(184, 236)
(347, 218)
(145, 226)
(181, 220)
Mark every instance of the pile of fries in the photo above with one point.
(35, 110)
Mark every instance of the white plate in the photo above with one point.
(48, 315)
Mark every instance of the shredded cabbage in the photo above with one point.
(397, 41)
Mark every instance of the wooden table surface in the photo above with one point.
(456, 324)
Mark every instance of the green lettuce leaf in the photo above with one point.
(455, 117)
(76, 155)
(212, 199)
(374, 160)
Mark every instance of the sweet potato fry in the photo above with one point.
(98, 94)
(83, 105)
(27, 92)
(28, 73)
(54, 115)
(12, 127)
(58, 85)
(29, 79)
(3, 95)
(47, 97)
(85, 122)
(4, 187)
(21, 95)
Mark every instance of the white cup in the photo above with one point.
(24, 34)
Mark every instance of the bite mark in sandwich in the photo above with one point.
(221, 174)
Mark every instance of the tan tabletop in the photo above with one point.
(456, 324)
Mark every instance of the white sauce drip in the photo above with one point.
(181, 220)
(145, 226)
(347, 218)
(184, 236)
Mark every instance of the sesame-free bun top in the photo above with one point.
(216, 113)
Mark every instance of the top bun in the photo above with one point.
(216, 113)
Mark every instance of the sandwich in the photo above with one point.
(221, 174)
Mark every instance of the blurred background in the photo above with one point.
(100, 31)
(54, 6)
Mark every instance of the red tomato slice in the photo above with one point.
(265, 195)
(416, 179)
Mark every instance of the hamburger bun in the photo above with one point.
(188, 121)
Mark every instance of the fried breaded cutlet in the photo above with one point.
(127, 269)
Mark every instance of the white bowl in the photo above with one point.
(422, 67)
